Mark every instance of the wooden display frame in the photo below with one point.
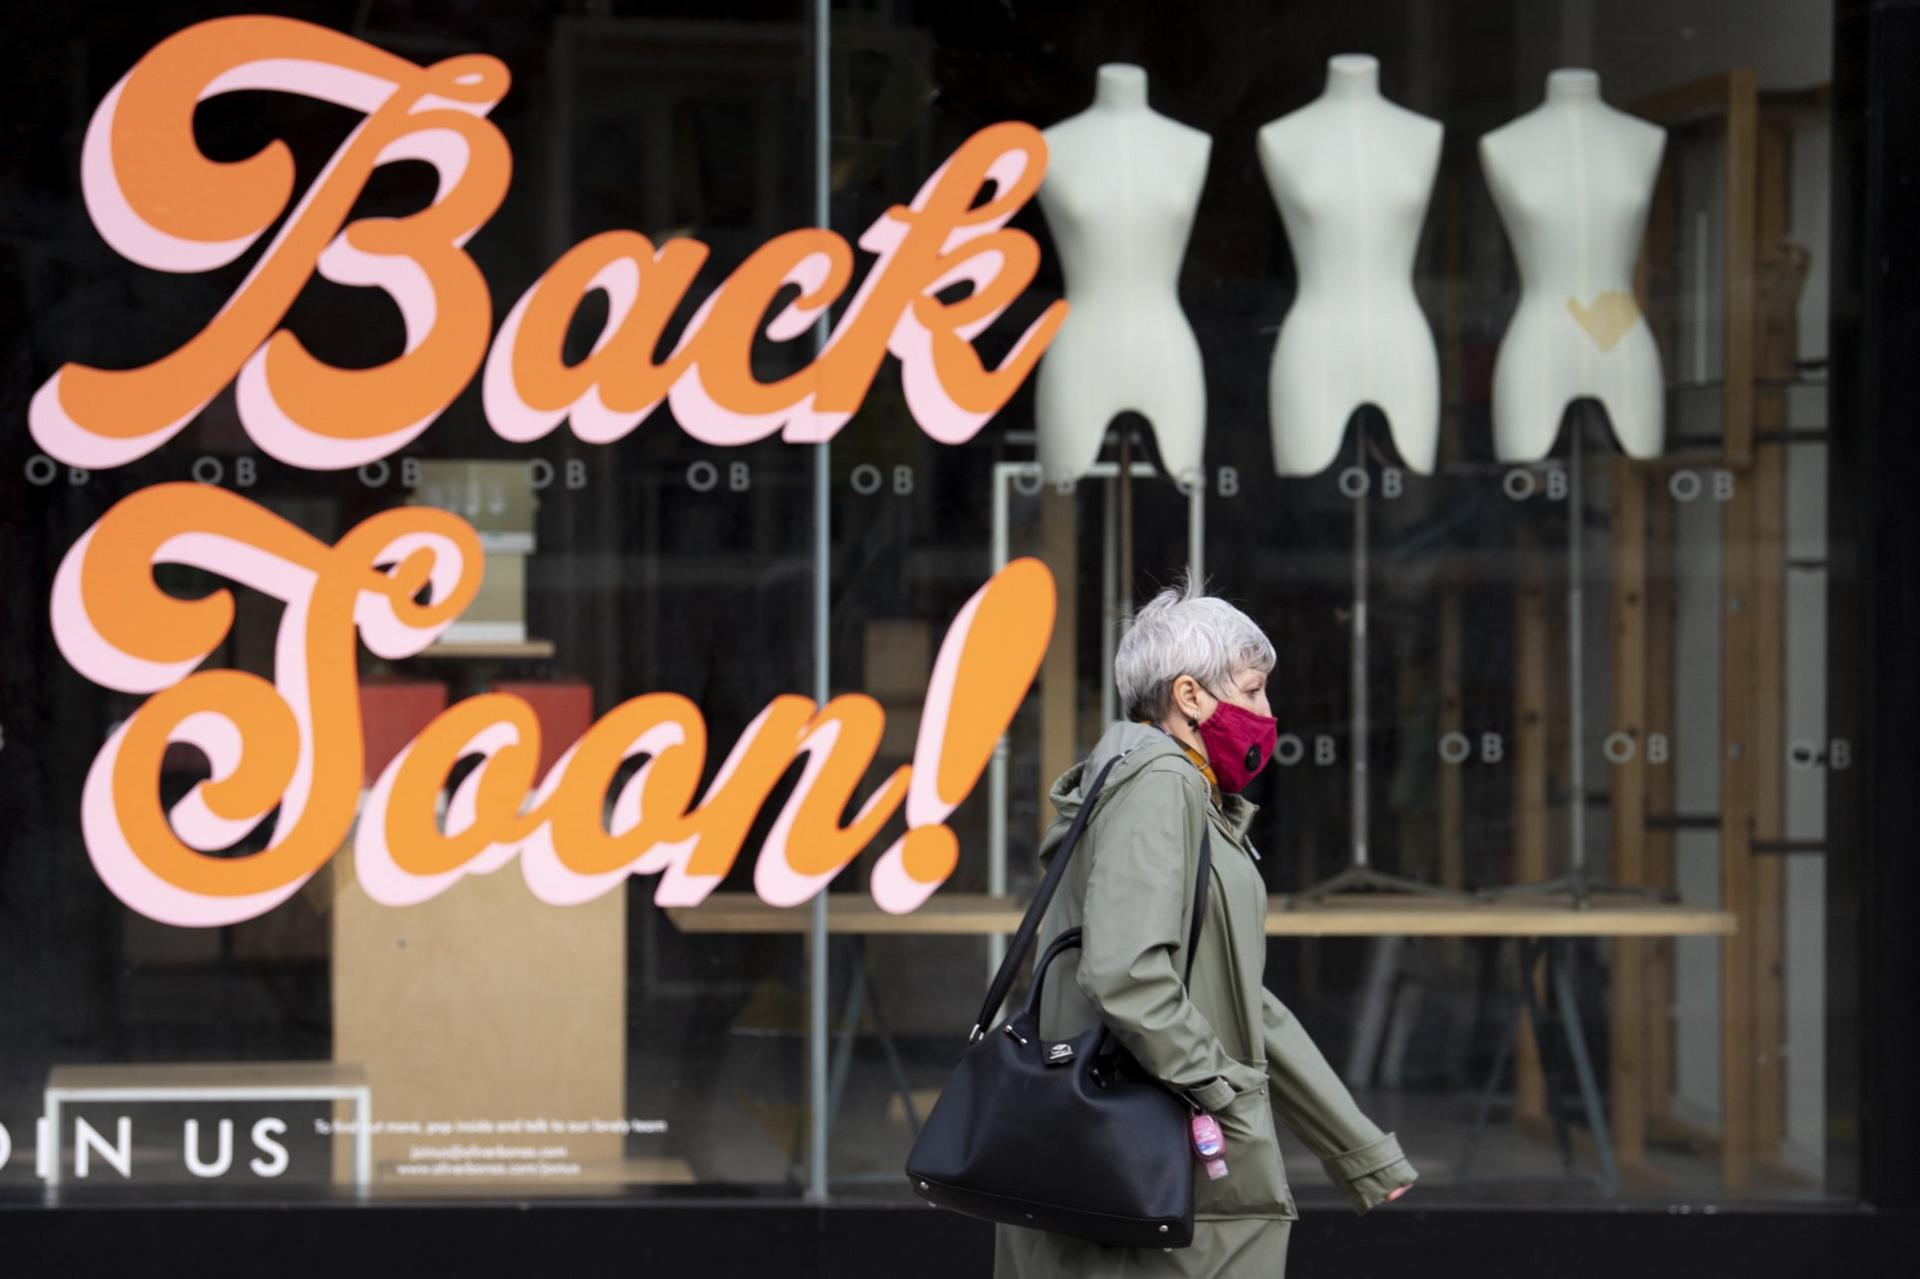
(1752, 673)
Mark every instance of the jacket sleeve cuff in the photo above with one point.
(1370, 1173)
(1212, 1096)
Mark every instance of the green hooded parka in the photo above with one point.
(1226, 1043)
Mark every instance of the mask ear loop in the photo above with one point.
(1192, 722)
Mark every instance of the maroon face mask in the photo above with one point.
(1239, 743)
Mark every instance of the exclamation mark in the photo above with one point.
(987, 663)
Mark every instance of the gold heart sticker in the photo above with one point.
(1608, 319)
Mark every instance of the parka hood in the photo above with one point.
(1136, 746)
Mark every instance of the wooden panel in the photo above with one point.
(1627, 629)
(1360, 915)
(1745, 659)
(453, 1006)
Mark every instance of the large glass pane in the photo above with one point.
(1535, 519)
(501, 1043)
(1549, 616)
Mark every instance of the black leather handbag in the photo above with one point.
(1067, 1135)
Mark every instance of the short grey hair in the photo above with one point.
(1184, 631)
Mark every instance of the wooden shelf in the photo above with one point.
(533, 649)
(1368, 915)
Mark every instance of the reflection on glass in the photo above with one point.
(1594, 669)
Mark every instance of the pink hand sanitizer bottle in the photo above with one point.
(1209, 1144)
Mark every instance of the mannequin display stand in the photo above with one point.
(1575, 882)
(1556, 954)
(1359, 876)
(1029, 478)
(1352, 174)
(1572, 181)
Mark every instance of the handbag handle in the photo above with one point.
(1030, 922)
(1023, 936)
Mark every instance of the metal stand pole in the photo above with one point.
(1360, 877)
(818, 1084)
(1124, 504)
(1024, 478)
(1109, 602)
(1576, 882)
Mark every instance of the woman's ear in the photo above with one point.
(1186, 699)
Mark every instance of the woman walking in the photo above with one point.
(1192, 673)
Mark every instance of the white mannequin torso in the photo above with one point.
(1119, 197)
(1352, 174)
(1572, 180)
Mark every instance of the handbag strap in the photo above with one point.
(1023, 936)
(1072, 937)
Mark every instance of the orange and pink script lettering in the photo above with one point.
(160, 203)
(394, 583)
